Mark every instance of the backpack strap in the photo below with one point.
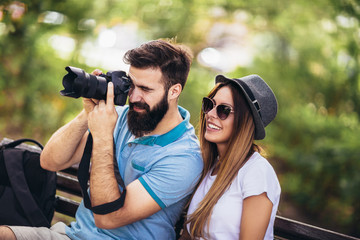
(20, 141)
(83, 177)
(21, 189)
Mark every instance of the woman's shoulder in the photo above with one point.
(257, 167)
(257, 161)
(257, 176)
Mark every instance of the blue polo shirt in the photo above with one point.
(167, 165)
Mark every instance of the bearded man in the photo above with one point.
(155, 146)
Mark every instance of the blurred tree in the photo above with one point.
(30, 70)
(313, 66)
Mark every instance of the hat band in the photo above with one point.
(251, 95)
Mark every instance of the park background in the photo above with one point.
(308, 52)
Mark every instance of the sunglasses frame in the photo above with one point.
(216, 108)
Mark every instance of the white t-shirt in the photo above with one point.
(255, 177)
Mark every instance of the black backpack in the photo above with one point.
(27, 191)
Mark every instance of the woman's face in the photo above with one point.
(219, 131)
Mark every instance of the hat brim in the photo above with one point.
(259, 126)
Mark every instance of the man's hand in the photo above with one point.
(103, 117)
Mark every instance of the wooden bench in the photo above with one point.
(284, 228)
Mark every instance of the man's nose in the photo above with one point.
(135, 95)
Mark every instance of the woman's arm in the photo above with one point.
(255, 217)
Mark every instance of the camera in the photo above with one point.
(78, 83)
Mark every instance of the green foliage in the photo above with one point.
(198, 85)
(308, 52)
(320, 163)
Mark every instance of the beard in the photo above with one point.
(142, 123)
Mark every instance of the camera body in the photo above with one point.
(77, 83)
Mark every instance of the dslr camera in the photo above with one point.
(78, 83)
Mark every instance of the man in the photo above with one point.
(156, 150)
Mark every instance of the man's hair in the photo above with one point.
(173, 60)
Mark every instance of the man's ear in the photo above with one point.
(174, 91)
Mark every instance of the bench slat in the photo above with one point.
(68, 183)
(66, 206)
(294, 230)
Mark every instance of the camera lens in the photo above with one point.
(77, 83)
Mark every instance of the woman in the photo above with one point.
(239, 192)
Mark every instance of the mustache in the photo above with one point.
(139, 105)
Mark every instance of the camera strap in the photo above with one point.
(84, 175)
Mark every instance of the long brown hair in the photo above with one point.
(240, 148)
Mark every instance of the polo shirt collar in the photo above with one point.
(170, 136)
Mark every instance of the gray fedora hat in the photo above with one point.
(261, 99)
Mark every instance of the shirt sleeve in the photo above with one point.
(172, 178)
(260, 177)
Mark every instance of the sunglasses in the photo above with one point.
(222, 110)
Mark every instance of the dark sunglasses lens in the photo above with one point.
(223, 111)
(207, 105)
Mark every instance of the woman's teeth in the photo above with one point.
(212, 126)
